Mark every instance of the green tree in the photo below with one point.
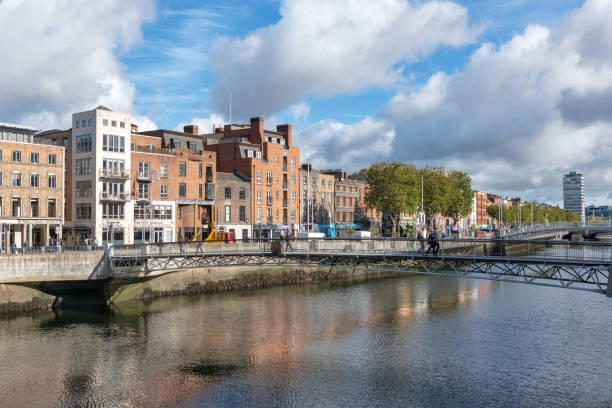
(459, 195)
(436, 191)
(393, 189)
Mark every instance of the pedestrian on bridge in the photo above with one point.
(432, 240)
(421, 239)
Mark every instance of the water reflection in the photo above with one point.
(323, 344)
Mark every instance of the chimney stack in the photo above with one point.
(191, 129)
(285, 130)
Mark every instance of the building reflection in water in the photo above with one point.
(173, 348)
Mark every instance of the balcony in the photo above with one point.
(114, 197)
(143, 199)
(269, 201)
(144, 176)
(285, 186)
(285, 205)
(114, 174)
(284, 167)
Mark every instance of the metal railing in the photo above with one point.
(49, 249)
(498, 250)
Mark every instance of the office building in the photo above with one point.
(573, 193)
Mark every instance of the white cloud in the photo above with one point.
(144, 123)
(522, 113)
(323, 48)
(205, 125)
(331, 144)
(62, 57)
(300, 111)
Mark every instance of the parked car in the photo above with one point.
(362, 234)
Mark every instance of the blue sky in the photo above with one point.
(512, 92)
(173, 78)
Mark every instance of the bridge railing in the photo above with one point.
(590, 252)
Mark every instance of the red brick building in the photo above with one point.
(272, 163)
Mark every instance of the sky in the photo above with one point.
(515, 93)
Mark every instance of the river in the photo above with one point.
(419, 341)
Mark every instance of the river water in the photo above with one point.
(417, 341)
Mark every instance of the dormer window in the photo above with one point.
(258, 155)
(249, 153)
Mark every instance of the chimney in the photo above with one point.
(257, 130)
(286, 130)
(134, 128)
(191, 129)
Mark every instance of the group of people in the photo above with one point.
(55, 245)
(432, 238)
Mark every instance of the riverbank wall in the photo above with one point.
(14, 298)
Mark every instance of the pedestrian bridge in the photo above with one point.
(576, 265)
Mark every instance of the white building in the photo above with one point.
(101, 176)
(573, 193)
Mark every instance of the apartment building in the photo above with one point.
(173, 186)
(480, 208)
(573, 193)
(317, 200)
(271, 162)
(234, 205)
(31, 188)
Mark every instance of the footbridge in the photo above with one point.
(92, 276)
(566, 264)
(558, 231)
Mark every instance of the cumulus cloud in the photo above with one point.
(300, 111)
(205, 125)
(322, 48)
(62, 57)
(333, 144)
(522, 113)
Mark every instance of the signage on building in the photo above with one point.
(200, 202)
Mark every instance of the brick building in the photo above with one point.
(234, 205)
(31, 188)
(271, 162)
(317, 201)
(481, 203)
(173, 186)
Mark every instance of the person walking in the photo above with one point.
(431, 242)
(436, 243)
(421, 240)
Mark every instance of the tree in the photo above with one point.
(436, 190)
(459, 195)
(393, 189)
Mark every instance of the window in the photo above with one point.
(182, 169)
(200, 190)
(200, 170)
(52, 159)
(194, 148)
(293, 162)
(242, 194)
(143, 191)
(0, 155)
(242, 213)
(143, 170)
(132, 146)
(114, 123)
(258, 154)
(249, 153)
(305, 180)
(269, 216)
(276, 158)
(16, 156)
(105, 122)
(258, 196)
(54, 142)
(121, 124)
(293, 179)
(65, 142)
(52, 181)
(177, 144)
(112, 211)
(34, 157)
(113, 143)
(323, 198)
(293, 196)
(259, 211)
(228, 213)
(182, 189)
(83, 123)
(142, 212)
(277, 195)
(258, 175)
(1, 184)
(78, 124)
(163, 193)
(329, 184)
(276, 177)
(16, 179)
(51, 208)
(34, 178)
(269, 178)
(83, 188)
(179, 213)
(209, 172)
(83, 166)
(228, 193)
(84, 143)
(83, 211)
(162, 212)
(89, 122)
(269, 197)
(163, 170)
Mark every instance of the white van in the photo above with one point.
(362, 234)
